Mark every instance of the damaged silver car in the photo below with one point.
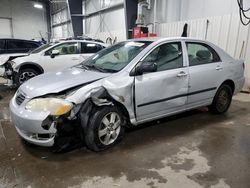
(124, 85)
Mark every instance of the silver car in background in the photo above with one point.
(127, 84)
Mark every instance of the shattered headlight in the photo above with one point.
(54, 106)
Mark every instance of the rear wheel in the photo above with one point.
(105, 129)
(25, 74)
(222, 99)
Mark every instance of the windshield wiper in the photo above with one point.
(93, 67)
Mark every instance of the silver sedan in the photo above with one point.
(127, 84)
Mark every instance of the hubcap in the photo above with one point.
(223, 100)
(110, 128)
(26, 76)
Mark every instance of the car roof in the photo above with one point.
(88, 41)
(154, 39)
(19, 40)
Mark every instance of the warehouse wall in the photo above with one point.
(61, 25)
(181, 10)
(22, 19)
(109, 24)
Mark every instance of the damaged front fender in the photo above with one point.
(107, 91)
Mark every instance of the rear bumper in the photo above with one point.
(239, 84)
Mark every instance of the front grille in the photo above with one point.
(20, 98)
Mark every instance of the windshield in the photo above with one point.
(115, 58)
(41, 48)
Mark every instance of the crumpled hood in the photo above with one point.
(55, 82)
(5, 57)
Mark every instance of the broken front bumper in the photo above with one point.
(7, 71)
(33, 127)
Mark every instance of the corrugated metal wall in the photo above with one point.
(62, 27)
(109, 24)
(225, 31)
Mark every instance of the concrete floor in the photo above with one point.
(194, 149)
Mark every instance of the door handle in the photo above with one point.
(182, 74)
(218, 68)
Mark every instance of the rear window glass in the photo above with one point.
(16, 44)
(90, 48)
(19, 44)
(31, 45)
(2, 42)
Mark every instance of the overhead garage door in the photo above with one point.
(5, 25)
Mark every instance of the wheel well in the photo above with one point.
(230, 83)
(124, 111)
(32, 66)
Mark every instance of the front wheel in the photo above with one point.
(24, 75)
(106, 128)
(222, 100)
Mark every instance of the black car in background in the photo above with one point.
(8, 46)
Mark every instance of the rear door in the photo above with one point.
(165, 91)
(206, 73)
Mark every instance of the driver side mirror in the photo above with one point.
(54, 53)
(144, 68)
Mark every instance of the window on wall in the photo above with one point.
(167, 56)
(199, 54)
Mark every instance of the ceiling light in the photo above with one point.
(39, 6)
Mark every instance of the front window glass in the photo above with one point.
(115, 58)
(41, 48)
(65, 48)
(167, 56)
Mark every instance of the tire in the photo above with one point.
(25, 74)
(222, 100)
(101, 127)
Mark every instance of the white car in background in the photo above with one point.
(48, 58)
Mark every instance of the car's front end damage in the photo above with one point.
(7, 71)
(58, 119)
(61, 126)
(7, 66)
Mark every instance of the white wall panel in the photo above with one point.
(27, 21)
(5, 25)
(233, 34)
(224, 31)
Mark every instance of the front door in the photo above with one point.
(68, 56)
(164, 91)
